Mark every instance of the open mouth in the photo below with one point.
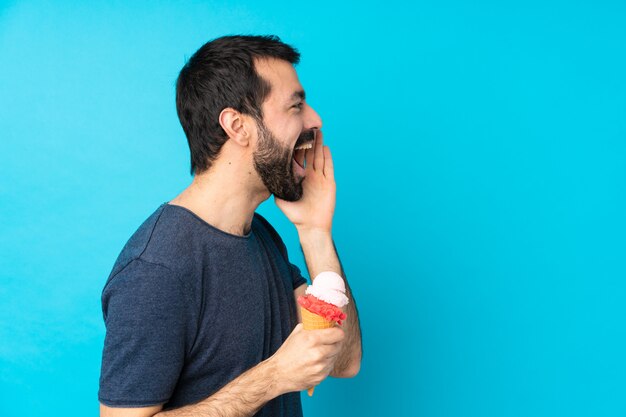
(306, 145)
(299, 157)
(305, 142)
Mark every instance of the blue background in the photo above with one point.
(480, 153)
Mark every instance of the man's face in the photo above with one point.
(288, 122)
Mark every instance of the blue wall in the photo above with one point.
(480, 153)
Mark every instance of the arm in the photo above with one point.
(303, 361)
(321, 255)
(313, 216)
(243, 396)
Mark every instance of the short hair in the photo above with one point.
(221, 74)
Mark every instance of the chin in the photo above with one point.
(295, 195)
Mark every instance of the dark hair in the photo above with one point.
(221, 74)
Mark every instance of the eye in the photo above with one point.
(298, 106)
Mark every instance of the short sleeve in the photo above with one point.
(144, 308)
(296, 276)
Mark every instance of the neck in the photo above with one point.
(226, 197)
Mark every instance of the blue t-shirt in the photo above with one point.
(188, 308)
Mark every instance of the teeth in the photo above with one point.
(305, 146)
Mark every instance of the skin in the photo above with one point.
(227, 196)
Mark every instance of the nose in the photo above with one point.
(312, 120)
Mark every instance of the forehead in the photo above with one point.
(282, 77)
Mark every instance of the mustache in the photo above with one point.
(306, 136)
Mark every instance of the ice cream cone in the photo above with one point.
(321, 305)
(312, 321)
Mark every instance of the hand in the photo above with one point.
(315, 210)
(307, 357)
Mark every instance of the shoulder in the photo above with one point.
(142, 285)
(168, 237)
(143, 276)
(160, 254)
(138, 242)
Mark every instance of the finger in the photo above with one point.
(318, 163)
(331, 336)
(329, 168)
(330, 351)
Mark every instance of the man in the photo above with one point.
(200, 307)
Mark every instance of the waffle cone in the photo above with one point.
(312, 321)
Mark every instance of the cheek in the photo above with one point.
(288, 129)
(294, 129)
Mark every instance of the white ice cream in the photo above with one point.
(329, 286)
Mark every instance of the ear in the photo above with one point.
(235, 125)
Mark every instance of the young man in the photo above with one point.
(200, 308)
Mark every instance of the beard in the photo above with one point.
(273, 162)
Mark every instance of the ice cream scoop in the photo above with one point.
(329, 286)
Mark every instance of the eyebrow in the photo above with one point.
(298, 95)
